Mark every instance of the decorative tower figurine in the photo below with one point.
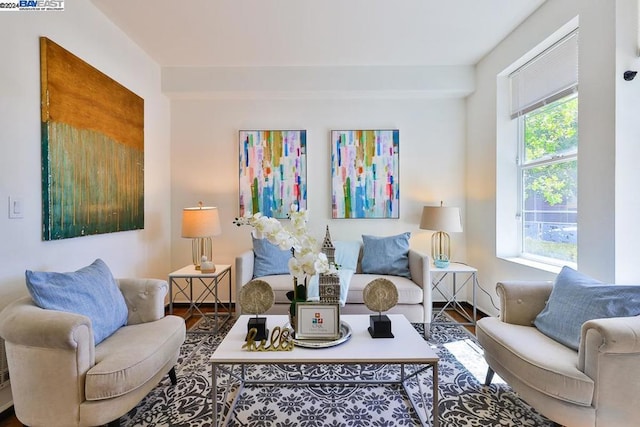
(329, 284)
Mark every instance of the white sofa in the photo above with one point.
(414, 295)
(596, 386)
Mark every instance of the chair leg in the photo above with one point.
(114, 423)
(489, 377)
(173, 376)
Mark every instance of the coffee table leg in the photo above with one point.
(214, 393)
(434, 412)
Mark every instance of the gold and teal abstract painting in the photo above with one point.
(364, 173)
(273, 171)
(92, 149)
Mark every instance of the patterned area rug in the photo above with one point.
(464, 401)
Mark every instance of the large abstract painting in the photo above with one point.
(273, 171)
(92, 149)
(364, 173)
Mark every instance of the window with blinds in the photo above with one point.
(544, 101)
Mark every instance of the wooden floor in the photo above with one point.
(8, 419)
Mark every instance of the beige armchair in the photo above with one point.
(594, 386)
(58, 376)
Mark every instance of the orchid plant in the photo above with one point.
(307, 259)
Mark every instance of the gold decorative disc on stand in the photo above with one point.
(256, 297)
(380, 295)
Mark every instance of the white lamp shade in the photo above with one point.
(440, 218)
(200, 222)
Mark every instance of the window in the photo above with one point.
(547, 169)
(544, 104)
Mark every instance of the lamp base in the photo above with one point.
(440, 245)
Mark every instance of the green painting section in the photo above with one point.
(254, 197)
(347, 198)
(91, 183)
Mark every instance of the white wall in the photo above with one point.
(84, 31)
(608, 146)
(627, 202)
(205, 151)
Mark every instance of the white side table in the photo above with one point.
(181, 283)
(462, 276)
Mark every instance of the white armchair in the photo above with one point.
(60, 378)
(594, 386)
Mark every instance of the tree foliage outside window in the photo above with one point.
(549, 180)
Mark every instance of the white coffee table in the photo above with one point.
(407, 349)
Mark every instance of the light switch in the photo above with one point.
(16, 207)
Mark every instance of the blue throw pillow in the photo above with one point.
(576, 298)
(347, 253)
(91, 291)
(386, 255)
(269, 258)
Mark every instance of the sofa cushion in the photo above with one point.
(408, 291)
(576, 298)
(269, 258)
(91, 291)
(347, 253)
(122, 367)
(386, 255)
(536, 360)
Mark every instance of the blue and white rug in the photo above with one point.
(463, 400)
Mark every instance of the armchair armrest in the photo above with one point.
(419, 266)
(48, 354)
(609, 353)
(145, 299)
(25, 324)
(521, 301)
(614, 335)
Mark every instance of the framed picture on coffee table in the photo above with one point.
(317, 321)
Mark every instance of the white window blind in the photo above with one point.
(551, 75)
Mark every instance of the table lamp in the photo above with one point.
(200, 224)
(441, 220)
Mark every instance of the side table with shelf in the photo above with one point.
(181, 282)
(462, 276)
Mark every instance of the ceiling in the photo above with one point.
(249, 33)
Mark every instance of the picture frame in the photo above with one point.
(365, 173)
(272, 172)
(317, 321)
(92, 149)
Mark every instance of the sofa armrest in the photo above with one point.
(521, 301)
(419, 266)
(145, 299)
(244, 272)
